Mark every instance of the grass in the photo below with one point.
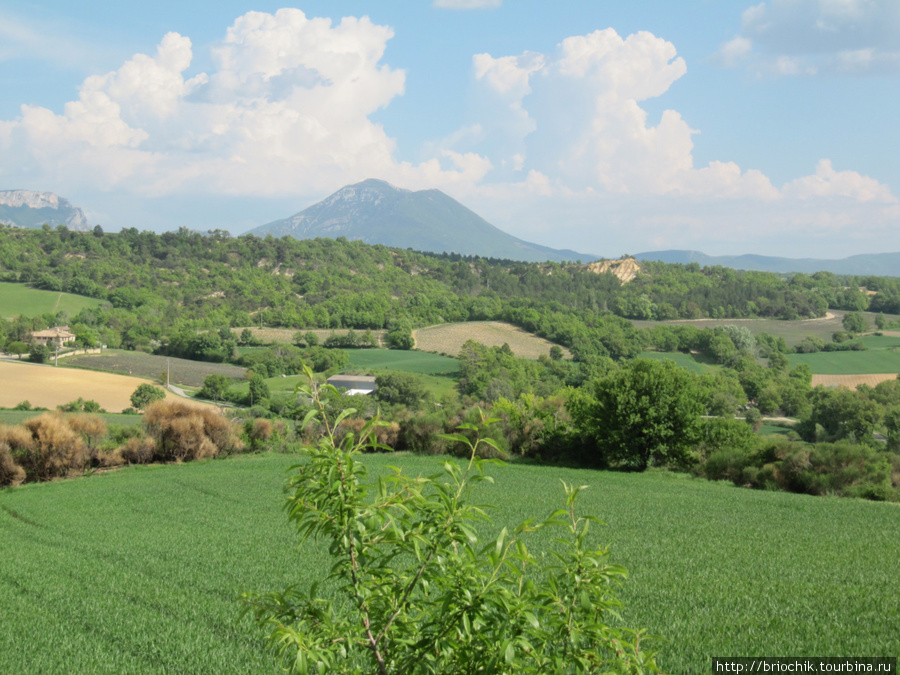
(22, 300)
(793, 332)
(138, 570)
(882, 356)
(181, 371)
(19, 416)
(421, 363)
(438, 374)
(696, 363)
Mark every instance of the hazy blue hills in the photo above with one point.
(26, 208)
(376, 212)
(876, 264)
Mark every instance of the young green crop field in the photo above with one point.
(138, 570)
(19, 416)
(696, 363)
(438, 374)
(22, 300)
(181, 371)
(882, 356)
(421, 363)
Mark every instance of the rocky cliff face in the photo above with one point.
(625, 269)
(26, 208)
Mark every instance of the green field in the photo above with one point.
(181, 371)
(437, 373)
(882, 356)
(22, 300)
(422, 363)
(696, 363)
(19, 416)
(138, 570)
(793, 332)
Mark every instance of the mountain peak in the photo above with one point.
(376, 212)
(27, 208)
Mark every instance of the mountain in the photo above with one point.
(376, 212)
(24, 208)
(876, 264)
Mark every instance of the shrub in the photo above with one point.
(10, 472)
(138, 450)
(49, 447)
(185, 432)
(418, 593)
(145, 394)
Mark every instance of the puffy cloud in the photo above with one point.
(287, 104)
(577, 115)
(827, 182)
(806, 37)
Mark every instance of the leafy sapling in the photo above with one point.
(416, 589)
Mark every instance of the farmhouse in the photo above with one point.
(58, 335)
(353, 384)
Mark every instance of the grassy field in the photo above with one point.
(696, 363)
(182, 372)
(138, 570)
(438, 373)
(882, 356)
(286, 335)
(421, 363)
(792, 331)
(49, 386)
(22, 300)
(449, 338)
(19, 416)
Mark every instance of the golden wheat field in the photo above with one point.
(48, 386)
(449, 338)
(851, 381)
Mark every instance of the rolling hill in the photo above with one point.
(376, 212)
(875, 264)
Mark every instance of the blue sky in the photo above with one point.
(726, 126)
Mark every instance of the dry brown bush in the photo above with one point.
(184, 432)
(138, 450)
(260, 430)
(92, 427)
(10, 472)
(110, 459)
(55, 449)
(17, 437)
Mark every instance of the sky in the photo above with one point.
(613, 127)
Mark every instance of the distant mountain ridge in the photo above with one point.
(875, 264)
(26, 208)
(376, 212)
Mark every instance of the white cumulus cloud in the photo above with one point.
(286, 109)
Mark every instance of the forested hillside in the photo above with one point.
(159, 284)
